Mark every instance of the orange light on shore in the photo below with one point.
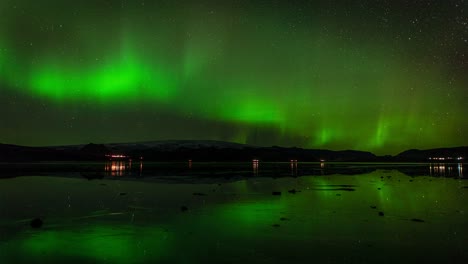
(116, 156)
(445, 158)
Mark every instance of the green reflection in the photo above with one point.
(110, 243)
(234, 220)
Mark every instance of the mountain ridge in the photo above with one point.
(213, 150)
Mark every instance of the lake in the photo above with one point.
(293, 212)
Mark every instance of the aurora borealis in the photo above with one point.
(382, 76)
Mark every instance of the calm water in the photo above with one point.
(228, 213)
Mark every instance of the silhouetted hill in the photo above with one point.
(95, 149)
(250, 153)
(207, 150)
(447, 154)
(25, 154)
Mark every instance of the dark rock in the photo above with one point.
(346, 189)
(379, 189)
(411, 180)
(381, 214)
(284, 219)
(293, 191)
(36, 223)
(338, 194)
(276, 225)
(417, 220)
(122, 193)
(199, 194)
(373, 207)
(184, 208)
(276, 193)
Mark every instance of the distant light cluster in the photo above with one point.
(114, 156)
(446, 158)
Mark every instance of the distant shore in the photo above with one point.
(217, 151)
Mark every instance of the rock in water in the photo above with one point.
(36, 223)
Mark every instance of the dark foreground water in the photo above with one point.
(235, 213)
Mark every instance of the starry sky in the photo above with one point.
(381, 75)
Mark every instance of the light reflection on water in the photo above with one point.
(146, 225)
(117, 168)
(255, 167)
(141, 168)
(293, 165)
(120, 168)
(125, 168)
(446, 170)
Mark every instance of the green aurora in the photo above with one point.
(372, 75)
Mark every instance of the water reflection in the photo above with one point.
(293, 165)
(134, 168)
(118, 168)
(96, 229)
(255, 167)
(446, 170)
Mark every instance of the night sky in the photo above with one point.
(382, 76)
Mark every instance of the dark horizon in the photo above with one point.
(218, 151)
(229, 142)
